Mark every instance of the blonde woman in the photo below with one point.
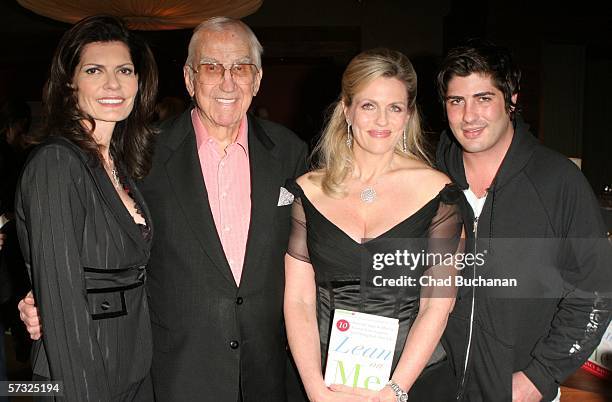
(373, 184)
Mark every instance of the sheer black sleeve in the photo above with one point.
(445, 245)
(298, 247)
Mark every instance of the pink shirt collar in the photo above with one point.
(203, 137)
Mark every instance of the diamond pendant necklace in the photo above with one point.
(368, 195)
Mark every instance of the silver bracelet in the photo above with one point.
(402, 396)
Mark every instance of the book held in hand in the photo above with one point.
(361, 348)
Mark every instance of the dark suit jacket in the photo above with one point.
(212, 338)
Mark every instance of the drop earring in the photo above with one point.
(349, 137)
(404, 147)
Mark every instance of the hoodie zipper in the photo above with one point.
(469, 343)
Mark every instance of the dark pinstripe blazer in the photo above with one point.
(86, 258)
(209, 335)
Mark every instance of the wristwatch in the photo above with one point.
(402, 396)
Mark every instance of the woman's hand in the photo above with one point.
(342, 393)
(384, 395)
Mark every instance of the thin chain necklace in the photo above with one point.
(114, 172)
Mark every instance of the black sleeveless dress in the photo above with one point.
(344, 269)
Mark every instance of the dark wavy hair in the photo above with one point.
(481, 57)
(131, 144)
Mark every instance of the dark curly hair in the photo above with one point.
(131, 144)
(481, 57)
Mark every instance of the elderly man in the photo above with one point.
(216, 278)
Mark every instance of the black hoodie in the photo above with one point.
(540, 224)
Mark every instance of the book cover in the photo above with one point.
(361, 348)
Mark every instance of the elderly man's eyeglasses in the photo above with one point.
(212, 73)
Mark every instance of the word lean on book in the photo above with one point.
(361, 348)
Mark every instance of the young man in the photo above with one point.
(535, 219)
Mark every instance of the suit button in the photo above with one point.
(234, 344)
(239, 300)
(105, 305)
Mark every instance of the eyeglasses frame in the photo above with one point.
(208, 63)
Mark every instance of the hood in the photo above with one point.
(449, 156)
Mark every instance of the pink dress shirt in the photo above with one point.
(228, 183)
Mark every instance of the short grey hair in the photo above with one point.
(219, 24)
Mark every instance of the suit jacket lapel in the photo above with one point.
(108, 194)
(116, 206)
(137, 196)
(185, 176)
(264, 195)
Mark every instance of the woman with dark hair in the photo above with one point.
(84, 228)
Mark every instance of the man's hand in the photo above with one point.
(29, 315)
(523, 389)
(2, 237)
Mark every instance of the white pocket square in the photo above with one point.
(285, 197)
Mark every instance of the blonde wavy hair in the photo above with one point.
(333, 156)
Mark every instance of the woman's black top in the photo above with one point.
(87, 261)
(349, 276)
